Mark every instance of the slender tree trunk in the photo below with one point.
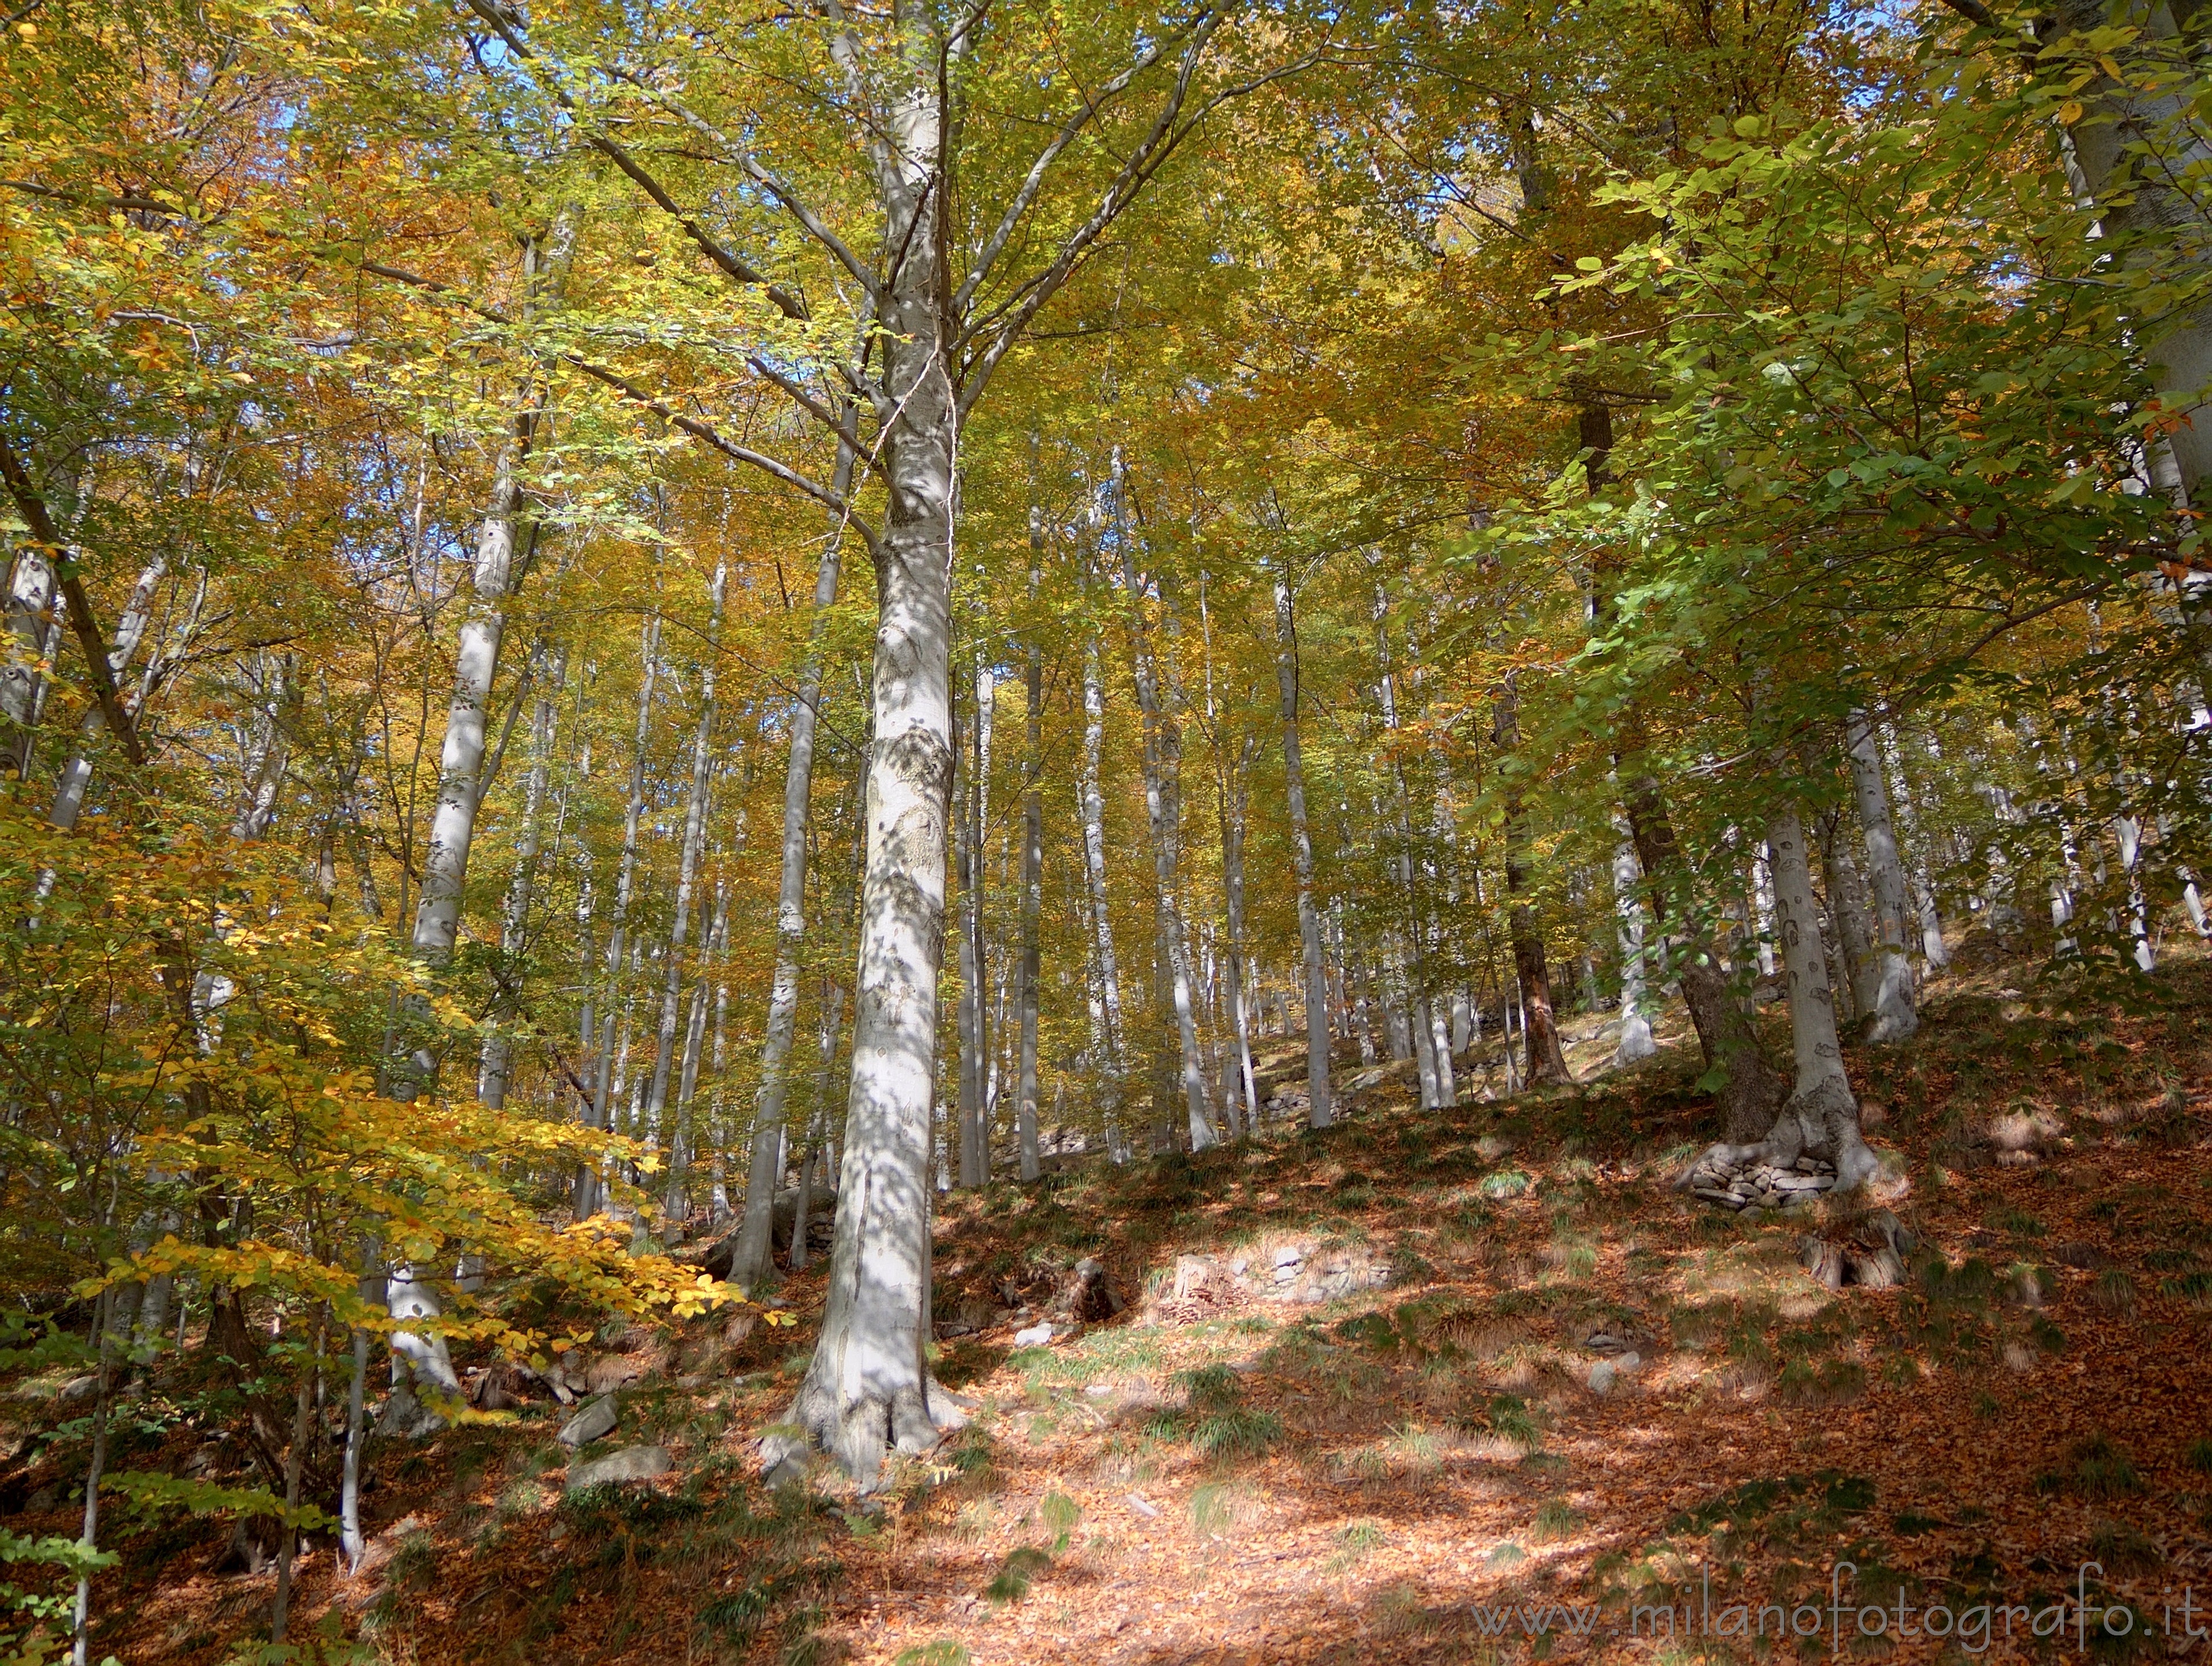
(476, 663)
(1233, 811)
(1895, 1016)
(751, 1265)
(95, 1472)
(1321, 1110)
(1636, 1044)
(968, 790)
(1932, 949)
(514, 919)
(1032, 880)
(351, 1540)
(1093, 808)
(590, 1194)
(687, 874)
(1821, 1118)
(294, 1458)
(1848, 915)
(1161, 811)
(1547, 1061)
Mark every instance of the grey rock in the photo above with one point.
(1035, 1337)
(1289, 1255)
(630, 1463)
(1603, 1375)
(594, 1422)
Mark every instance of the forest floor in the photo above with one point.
(1432, 1468)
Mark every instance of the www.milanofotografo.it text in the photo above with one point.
(2079, 1618)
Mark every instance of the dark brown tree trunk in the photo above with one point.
(1540, 1035)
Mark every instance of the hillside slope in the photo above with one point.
(1468, 1385)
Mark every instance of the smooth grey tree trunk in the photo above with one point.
(1636, 1044)
(476, 658)
(30, 600)
(514, 917)
(460, 771)
(1093, 808)
(969, 791)
(590, 1193)
(1820, 1118)
(693, 849)
(1234, 810)
(1850, 919)
(1895, 1015)
(1320, 1111)
(1028, 993)
(755, 1235)
(1161, 813)
(1932, 949)
(2139, 154)
(868, 1390)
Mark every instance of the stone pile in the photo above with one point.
(1759, 1184)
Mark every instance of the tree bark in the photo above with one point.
(590, 1193)
(1895, 1016)
(1093, 806)
(975, 1044)
(1821, 1118)
(1319, 1108)
(2135, 155)
(1636, 1044)
(867, 1389)
(1025, 1090)
(1848, 916)
(1162, 818)
(756, 1232)
(1932, 949)
(1547, 1061)
(514, 918)
(687, 872)
(129, 631)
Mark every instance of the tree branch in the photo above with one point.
(32, 508)
(791, 306)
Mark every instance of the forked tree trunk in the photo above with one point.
(1820, 1118)
(868, 1391)
(1319, 1108)
(1895, 1016)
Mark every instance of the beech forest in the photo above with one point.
(941, 832)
